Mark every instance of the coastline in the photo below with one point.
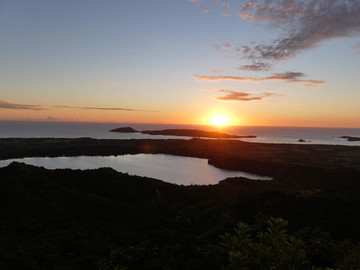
(256, 158)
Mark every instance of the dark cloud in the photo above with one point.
(241, 96)
(13, 106)
(258, 66)
(287, 76)
(293, 77)
(102, 108)
(304, 24)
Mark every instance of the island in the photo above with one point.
(124, 130)
(350, 138)
(183, 132)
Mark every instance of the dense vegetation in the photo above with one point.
(102, 219)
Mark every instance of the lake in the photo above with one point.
(169, 168)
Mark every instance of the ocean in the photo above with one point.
(33, 129)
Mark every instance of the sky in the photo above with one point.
(260, 62)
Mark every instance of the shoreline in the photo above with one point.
(258, 158)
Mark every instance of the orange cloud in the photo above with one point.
(287, 76)
(102, 108)
(241, 96)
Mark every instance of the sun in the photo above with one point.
(220, 120)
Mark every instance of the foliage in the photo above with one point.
(269, 249)
(72, 219)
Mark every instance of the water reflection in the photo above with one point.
(173, 169)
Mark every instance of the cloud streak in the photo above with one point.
(304, 24)
(257, 66)
(287, 76)
(13, 106)
(241, 96)
(102, 108)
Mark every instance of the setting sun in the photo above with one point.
(220, 120)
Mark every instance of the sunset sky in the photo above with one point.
(273, 62)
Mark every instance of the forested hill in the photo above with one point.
(92, 219)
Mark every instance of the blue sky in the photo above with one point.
(178, 61)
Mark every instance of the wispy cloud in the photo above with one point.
(241, 96)
(102, 108)
(293, 77)
(225, 5)
(225, 14)
(205, 10)
(257, 66)
(304, 24)
(287, 76)
(223, 78)
(13, 106)
(224, 46)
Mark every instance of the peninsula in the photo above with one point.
(350, 138)
(183, 132)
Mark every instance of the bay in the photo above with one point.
(169, 168)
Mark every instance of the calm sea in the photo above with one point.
(28, 129)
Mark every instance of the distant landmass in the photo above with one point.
(350, 138)
(124, 130)
(302, 140)
(182, 132)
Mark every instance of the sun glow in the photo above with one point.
(220, 120)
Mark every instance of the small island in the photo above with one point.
(124, 130)
(350, 138)
(302, 140)
(183, 132)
